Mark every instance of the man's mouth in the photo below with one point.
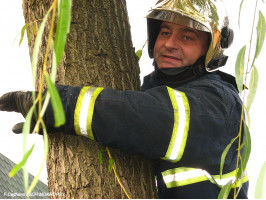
(171, 57)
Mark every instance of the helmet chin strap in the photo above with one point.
(180, 74)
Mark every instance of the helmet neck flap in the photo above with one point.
(188, 73)
(180, 74)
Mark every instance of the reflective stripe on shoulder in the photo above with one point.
(84, 111)
(181, 125)
(185, 176)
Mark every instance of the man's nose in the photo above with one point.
(172, 42)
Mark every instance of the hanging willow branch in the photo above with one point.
(242, 75)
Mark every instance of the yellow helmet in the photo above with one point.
(204, 15)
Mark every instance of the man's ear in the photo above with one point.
(227, 37)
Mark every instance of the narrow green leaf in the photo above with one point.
(111, 164)
(23, 33)
(100, 155)
(58, 7)
(246, 152)
(36, 48)
(224, 193)
(13, 172)
(260, 182)
(28, 35)
(245, 156)
(54, 68)
(139, 54)
(239, 68)
(261, 31)
(34, 28)
(253, 85)
(59, 115)
(27, 124)
(224, 155)
(26, 131)
(62, 29)
(247, 116)
(46, 149)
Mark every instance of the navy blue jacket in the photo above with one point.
(183, 127)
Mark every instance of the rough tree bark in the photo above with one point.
(99, 52)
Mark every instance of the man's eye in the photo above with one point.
(165, 33)
(187, 38)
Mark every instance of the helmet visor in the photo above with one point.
(177, 18)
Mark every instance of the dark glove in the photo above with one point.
(18, 102)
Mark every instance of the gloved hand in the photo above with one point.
(18, 102)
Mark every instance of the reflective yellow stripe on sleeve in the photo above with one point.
(185, 176)
(181, 125)
(84, 111)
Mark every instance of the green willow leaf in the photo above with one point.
(139, 54)
(29, 36)
(27, 124)
(13, 172)
(34, 28)
(36, 48)
(46, 149)
(224, 155)
(111, 164)
(100, 155)
(54, 68)
(247, 149)
(246, 152)
(62, 29)
(261, 31)
(23, 33)
(59, 115)
(253, 85)
(260, 182)
(26, 131)
(247, 116)
(224, 193)
(239, 68)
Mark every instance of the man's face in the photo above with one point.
(179, 46)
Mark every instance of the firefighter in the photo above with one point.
(184, 117)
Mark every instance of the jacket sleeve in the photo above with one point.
(136, 122)
(162, 122)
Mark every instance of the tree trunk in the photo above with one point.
(99, 52)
